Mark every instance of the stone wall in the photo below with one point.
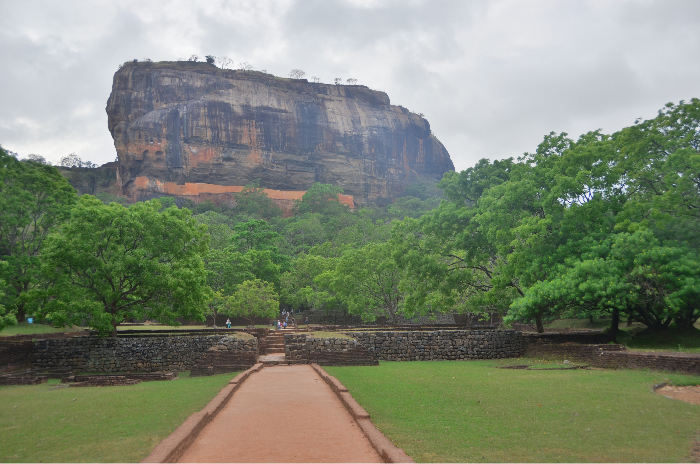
(140, 354)
(584, 336)
(326, 351)
(228, 355)
(15, 354)
(611, 356)
(442, 344)
(684, 363)
(573, 351)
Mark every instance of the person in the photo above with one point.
(285, 324)
(306, 321)
(228, 323)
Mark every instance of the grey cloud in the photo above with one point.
(491, 77)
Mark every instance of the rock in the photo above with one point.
(195, 131)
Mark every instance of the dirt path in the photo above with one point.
(688, 394)
(282, 414)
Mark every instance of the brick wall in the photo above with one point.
(442, 344)
(139, 354)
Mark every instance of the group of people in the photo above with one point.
(286, 316)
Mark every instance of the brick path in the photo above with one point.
(282, 414)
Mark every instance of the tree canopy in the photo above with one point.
(108, 264)
(34, 198)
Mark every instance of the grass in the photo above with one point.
(97, 424)
(472, 412)
(578, 324)
(685, 341)
(157, 327)
(24, 328)
(637, 338)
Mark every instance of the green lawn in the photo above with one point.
(687, 341)
(28, 329)
(471, 412)
(97, 424)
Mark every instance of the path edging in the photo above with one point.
(171, 448)
(381, 444)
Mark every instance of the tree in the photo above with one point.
(338, 80)
(210, 59)
(71, 161)
(224, 62)
(226, 269)
(297, 74)
(319, 198)
(7, 318)
(253, 200)
(303, 234)
(299, 289)
(255, 298)
(220, 232)
(368, 280)
(109, 264)
(245, 66)
(37, 159)
(628, 273)
(34, 199)
(351, 81)
(255, 234)
(315, 79)
(193, 58)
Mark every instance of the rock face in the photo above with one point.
(192, 130)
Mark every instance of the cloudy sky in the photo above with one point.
(492, 77)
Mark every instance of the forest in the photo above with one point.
(602, 225)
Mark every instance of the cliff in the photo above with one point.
(193, 130)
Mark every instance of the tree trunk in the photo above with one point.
(590, 318)
(538, 322)
(114, 329)
(615, 324)
(21, 313)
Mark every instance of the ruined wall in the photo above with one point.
(137, 354)
(326, 351)
(442, 344)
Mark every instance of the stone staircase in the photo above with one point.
(275, 341)
(275, 347)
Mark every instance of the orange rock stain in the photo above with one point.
(195, 189)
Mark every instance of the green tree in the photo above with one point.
(34, 199)
(255, 298)
(109, 264)
(253, 201)
(6, 318)
(303, 234)
(321, 198)
(218, 227)
(299, 287)
(256, 234)
(368, 281)
(628, 273)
